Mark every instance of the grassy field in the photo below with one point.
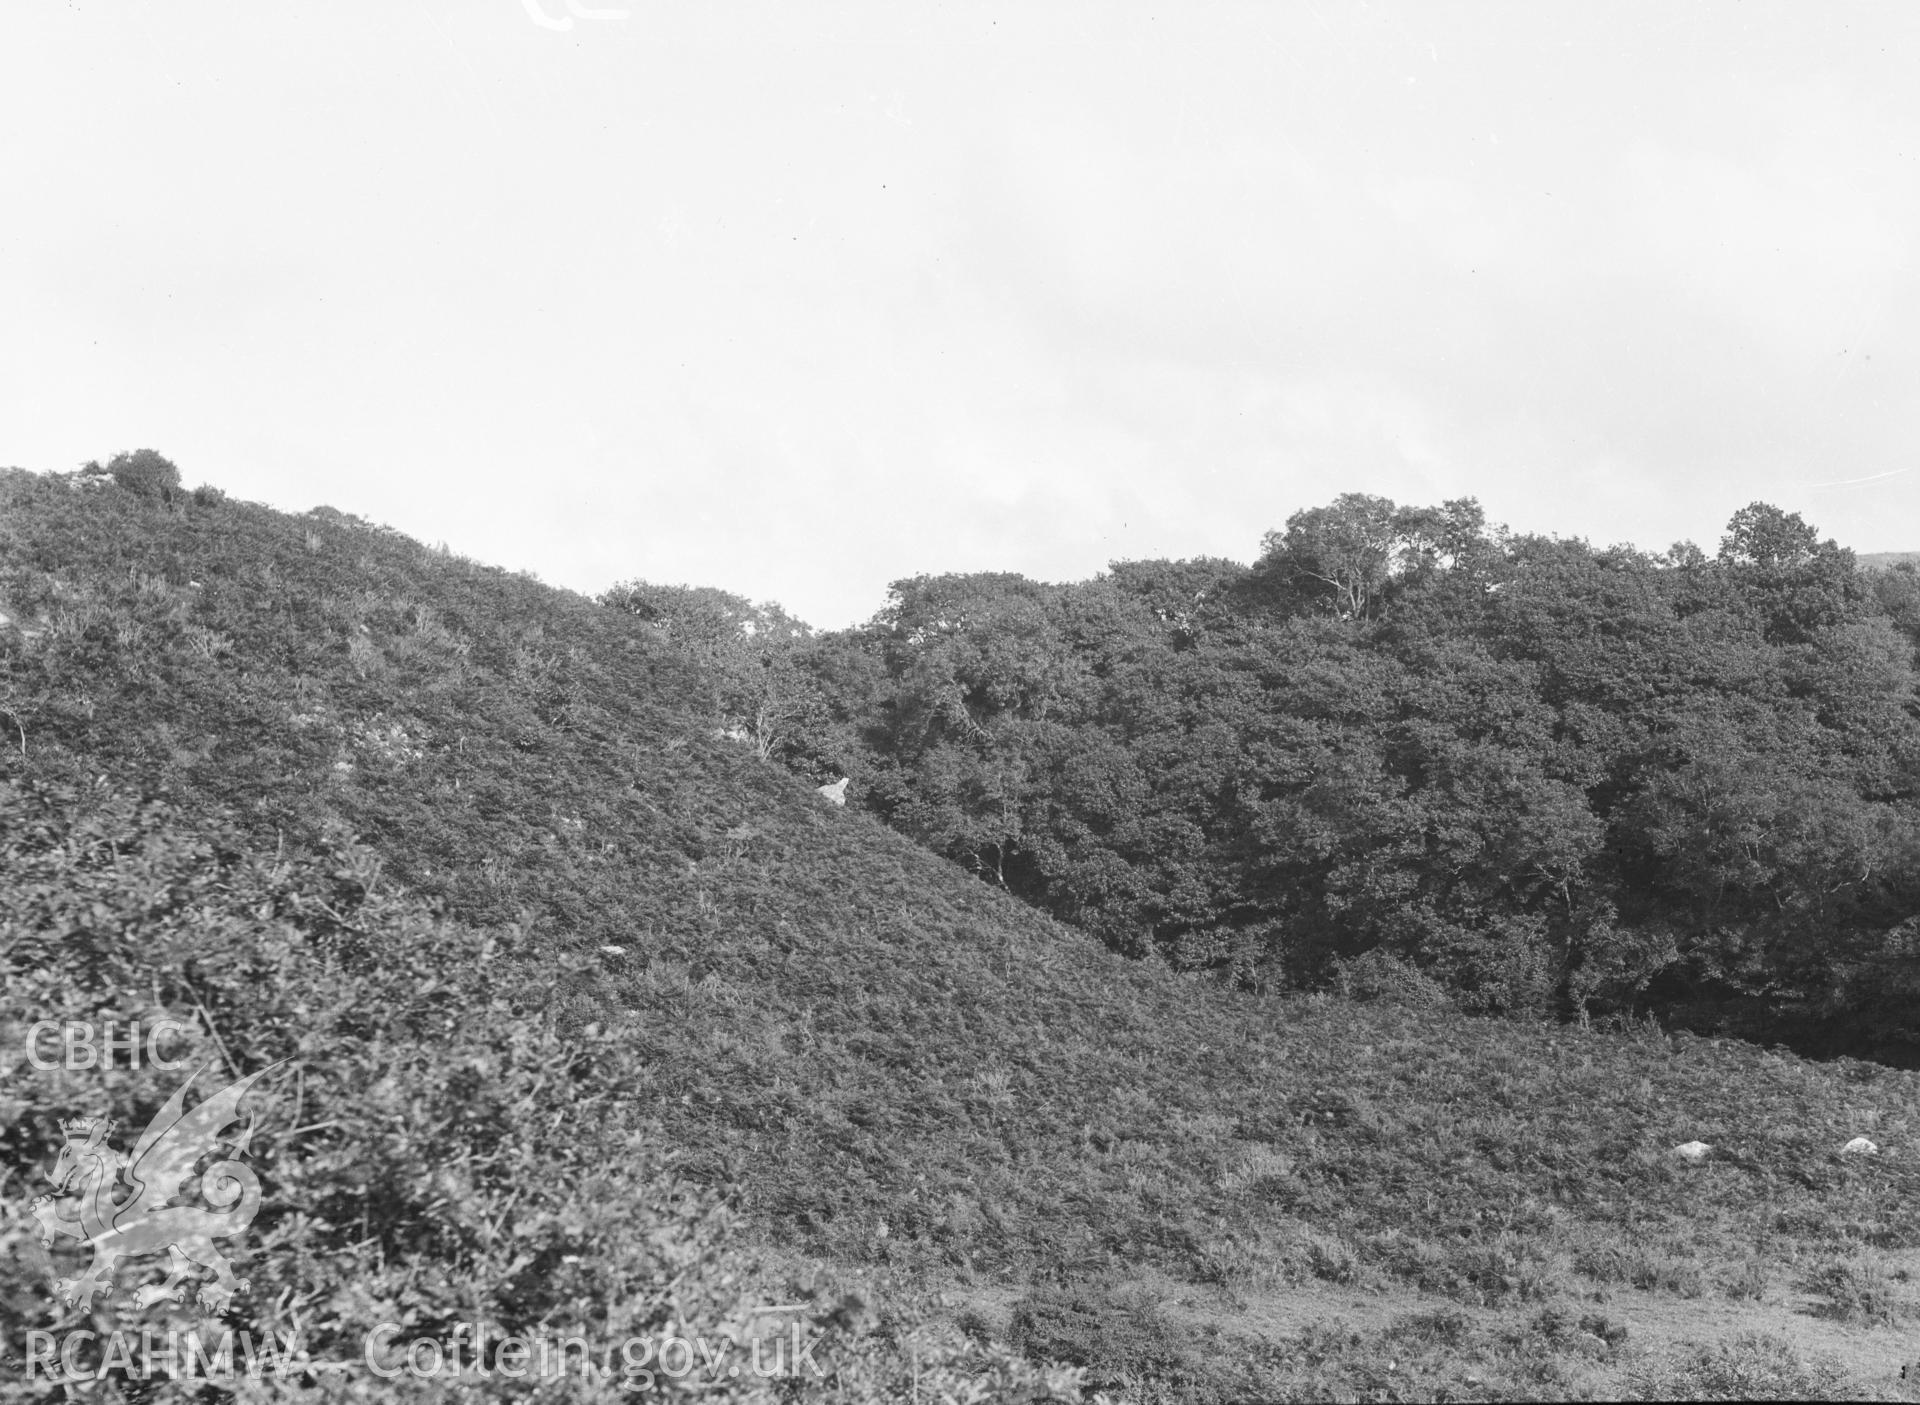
(500, 814)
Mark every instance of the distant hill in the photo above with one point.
(882, 1064)
(1883, 559)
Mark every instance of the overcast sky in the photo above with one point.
(798, 299)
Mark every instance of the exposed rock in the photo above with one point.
(1859, 1146)
(1692, 1151)
(837, 792)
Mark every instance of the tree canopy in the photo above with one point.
(1540, 773)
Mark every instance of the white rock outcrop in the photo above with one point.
(1859, 1146)
(837, 792)
(1692, 1151)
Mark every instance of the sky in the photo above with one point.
(800, 299)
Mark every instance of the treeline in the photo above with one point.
(1406, 750)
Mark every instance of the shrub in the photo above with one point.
(1859, 1289)
(1751, 1367)
(1749, 1281)
(1123, 1336)
(146, 472)
(1379, 975)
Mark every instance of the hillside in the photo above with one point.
(889, 1070)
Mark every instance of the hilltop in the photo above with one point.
(455, 789)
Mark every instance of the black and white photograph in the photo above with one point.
(940, 703)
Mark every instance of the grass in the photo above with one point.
(872, 1060)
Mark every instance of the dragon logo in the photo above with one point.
(143, 1222)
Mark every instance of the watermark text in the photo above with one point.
(74, 1044)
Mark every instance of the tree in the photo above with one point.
(1760, 534)
(1348, 554)
(1181, 596)
(1898, 592)
(1344, 553)
(1797, 583)
(980, 679)
(748, 651)
(146, 472)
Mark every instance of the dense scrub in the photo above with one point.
(436, 1152)
(535, 872)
